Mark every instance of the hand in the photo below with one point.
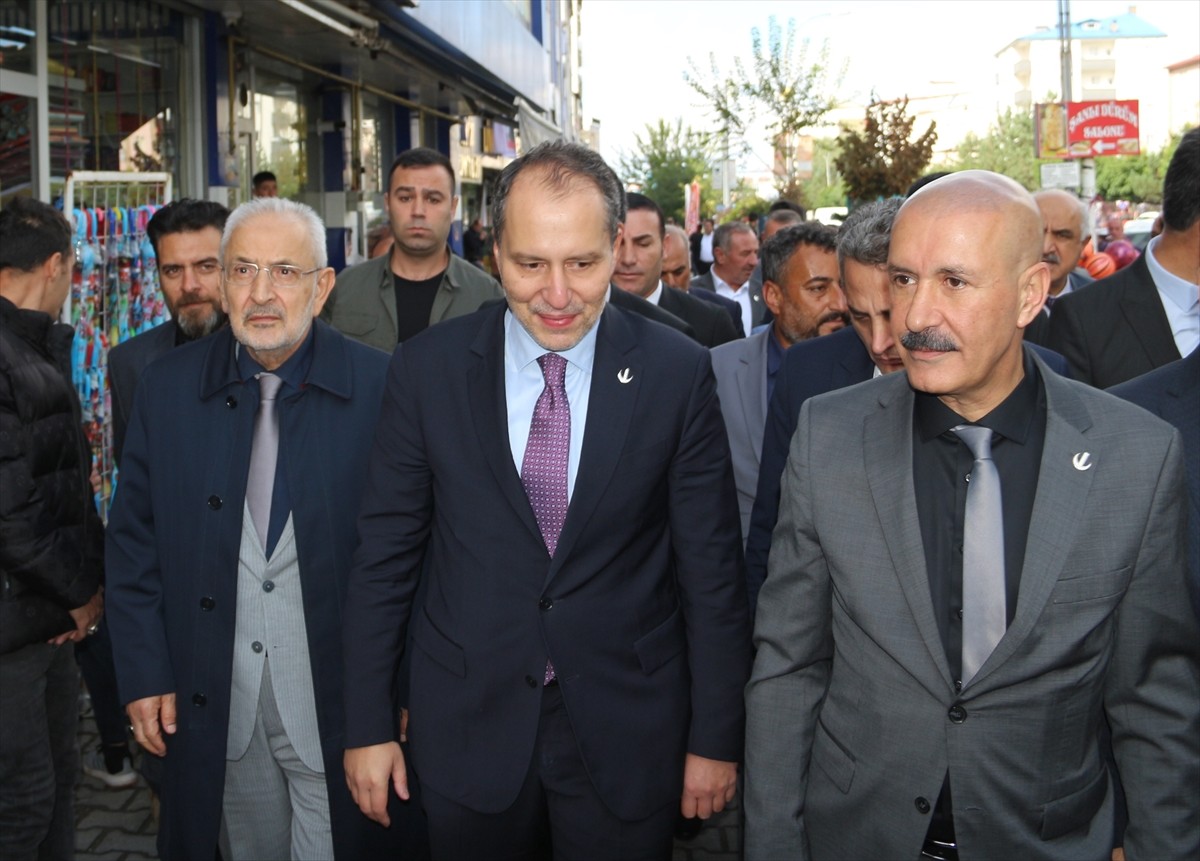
(368, 770)
(403, 724)
(150, 717)
(708, 785)
(84, 617)
(1119, 852)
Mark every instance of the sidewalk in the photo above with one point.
(116, 824)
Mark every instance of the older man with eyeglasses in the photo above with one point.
(228, 545)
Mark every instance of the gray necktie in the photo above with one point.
(264, 452)
(984, 601)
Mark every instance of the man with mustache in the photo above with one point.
(229, 543)
(976, 562)
(735, 247)
(800, 287)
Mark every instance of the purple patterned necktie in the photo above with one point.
(544, 468)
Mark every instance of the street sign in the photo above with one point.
(1088, 129)
(1061, 174)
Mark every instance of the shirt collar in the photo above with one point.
(718, 281)
(1011, 419)
(293, 372)
(522, 349)
(1180, 291)
(656, 295)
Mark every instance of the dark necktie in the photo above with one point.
(984, 601)
(544, 467)
(264, 452)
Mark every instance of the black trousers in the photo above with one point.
(557, 814)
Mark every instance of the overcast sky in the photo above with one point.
(636, 51)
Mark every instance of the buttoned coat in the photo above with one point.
(172, 556)
(853, 720)
(641, 612)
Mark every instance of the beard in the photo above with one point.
(199, 319)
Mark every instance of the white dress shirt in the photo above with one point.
(741, 295)
(1180, 300)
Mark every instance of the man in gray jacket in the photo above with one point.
(389, 299)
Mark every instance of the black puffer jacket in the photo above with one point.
(51, 539)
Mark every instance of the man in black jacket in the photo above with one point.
(50, 538)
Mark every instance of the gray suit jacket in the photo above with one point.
(741, 370)
(852, 716)
(126, 361)
(362, 305)
(758, 308)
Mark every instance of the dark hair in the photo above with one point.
(422, 156)
(261, 177)
(185, 216)
(1181, 187)
(31, 232)
(786, 206)
(633, 201)
(866, 233)
(778, 250)
(561, 162)
(723, 235)
(784, 216)
(923, 181)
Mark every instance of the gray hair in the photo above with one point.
(560, 163)
(301, 212)
(723, 235)
(866, 234)
(777, 251)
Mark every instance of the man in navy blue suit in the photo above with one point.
(865, 350)
(580, 651)
(1172, 392)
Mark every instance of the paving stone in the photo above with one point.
(134, 845)
(132, 822)
(85, 838)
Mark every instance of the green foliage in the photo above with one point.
(1136, 178)
(1007, 148)
(747, 202)
(667, 158)
(883, 160)
(825, 187)
(784, 87)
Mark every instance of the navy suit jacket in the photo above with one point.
(1172, 392)
(810, 368)
(172, 558)
(126, 361)
(642, 614)
(733, 309)
(1114, 329)
(759, 313)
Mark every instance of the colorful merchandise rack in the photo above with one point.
(114, 291)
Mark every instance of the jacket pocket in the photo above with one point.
(441, 648)
(833, 759)
(662, 643)
(356, 323)
(1076, 810)
(1092, 587)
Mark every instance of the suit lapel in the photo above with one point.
(1143, 309)
(485, 388)
(610, 412)
(1058, 510)
(887, 453)
(752, 389)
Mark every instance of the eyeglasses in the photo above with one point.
(281, 274)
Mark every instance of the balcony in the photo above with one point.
(1098, 66)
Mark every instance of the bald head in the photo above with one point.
(1064, 220)
(966, 277)
(676, 259)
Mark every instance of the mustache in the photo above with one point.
(263, 310)
(928, 339)
(834, 317)
(1052, 259)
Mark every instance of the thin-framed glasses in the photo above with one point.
(285, 275)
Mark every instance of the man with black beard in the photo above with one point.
(186, 236)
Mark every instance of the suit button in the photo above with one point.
(957, 714)
(207, 603)
(256, 646)
(231, 402)
(545, 604)
(531, 681)
(922, 805)
(268, 586)
(214, 502)
(199, 699)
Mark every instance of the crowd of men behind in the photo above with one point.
(412, 561)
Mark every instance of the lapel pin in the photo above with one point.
(1082, 461)
(625, 376)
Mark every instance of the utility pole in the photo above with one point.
(1087, 166)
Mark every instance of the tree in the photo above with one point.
(1138, 178)
(668, 157)
(1007, 148)
(883, 160)
(825, 187)
(786, 89)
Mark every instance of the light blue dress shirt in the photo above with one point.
(1180, 299)
(523, 385)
